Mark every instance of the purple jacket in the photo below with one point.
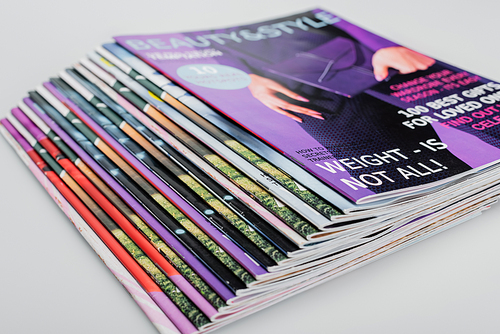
(255, 46)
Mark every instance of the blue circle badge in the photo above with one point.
(214, 76)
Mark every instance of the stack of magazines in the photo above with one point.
(219, 172)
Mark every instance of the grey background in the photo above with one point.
(52, 282)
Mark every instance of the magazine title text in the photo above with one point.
(274, 30)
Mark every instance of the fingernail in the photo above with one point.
(378, 78)
(300, 98)
(318, 117)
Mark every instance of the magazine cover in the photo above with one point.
(371, 118)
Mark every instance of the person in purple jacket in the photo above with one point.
(279, 40)
(349, 123)
(397, 57)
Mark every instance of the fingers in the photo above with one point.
(282, 112)
(425, 62)
(285, 91)
(380, 71)
(277, 102)
(400, 58)
(407, 68)
(264, 90)
(415, 61)
(281, 106)
(304, 111)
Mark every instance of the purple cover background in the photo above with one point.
(279, 131)
(283, 133)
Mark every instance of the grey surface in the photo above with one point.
(52, 282)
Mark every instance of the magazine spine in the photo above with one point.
(211, 192)
(141, 298)
(152, 158)
(229, 247)
(158, 122)
(118, 225)
(311, 215)
(182, 250)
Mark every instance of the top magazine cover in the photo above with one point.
(371, 118)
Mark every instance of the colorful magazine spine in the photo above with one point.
(205, 290)
(140, 296)
(146, 282)
(110, 145)
(175, 228)
(187, 152)
(179, 166)
(215, 194)
(181, 95)
(300, 225)
(86, 151)
(286, 181)
(131, 239)
(135, 144)
(167, 170)
(169, 222)
(173, 197)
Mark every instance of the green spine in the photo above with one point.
(303, 227)
(215, 249)
(311, 199)
(243, 227)
(178, 263)
(185, 305)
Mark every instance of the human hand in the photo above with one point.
(399, 58)
(265, 90)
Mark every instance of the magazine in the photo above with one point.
(372, 119)
(36, 103)
(366, 231)
(118, 261)
(268, 186)
(264, 194)
(152, 262)
(183, 101)
(230, 169)
(158, 85)
(188, 154)
(264, 166)
(131, 126)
